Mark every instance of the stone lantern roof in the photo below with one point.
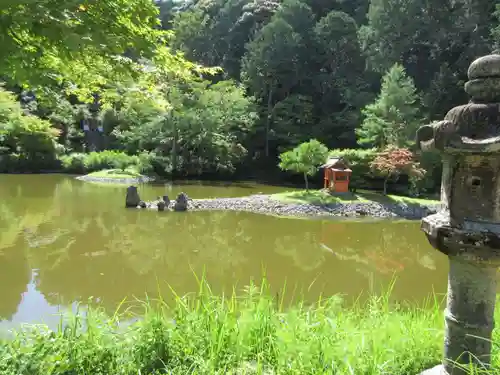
(473, 127)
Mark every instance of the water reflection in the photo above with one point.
(84, 245)
(15, 275)
(47, 314)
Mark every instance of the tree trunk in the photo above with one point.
(306, 181)
(268, 120)
(385, 185)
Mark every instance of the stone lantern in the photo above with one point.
(467, 227)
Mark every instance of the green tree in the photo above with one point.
(394, 116)
(193, 36)
(293, 117)
(338, 78)
(305, 158)
(269, 66)
(200, 128)
(435, 41)
(23, 138)
(79, 47)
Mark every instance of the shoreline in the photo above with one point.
(117, 181)
(265, 204)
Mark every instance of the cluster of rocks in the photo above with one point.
(133, 200)
(266, 205)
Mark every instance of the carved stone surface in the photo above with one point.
(467, 228)
(181, 203)
(132, 199)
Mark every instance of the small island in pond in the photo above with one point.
(301, 203)
(116, 176)
(336, 199)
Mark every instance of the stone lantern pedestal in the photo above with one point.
(467, 228)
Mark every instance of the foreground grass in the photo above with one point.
(246, 334)
(321, 197)
(116, 173)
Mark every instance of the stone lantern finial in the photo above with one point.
(484, 79)
(467, 228)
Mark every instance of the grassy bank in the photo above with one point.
(117, 174)
(321, 197)
(248, 334)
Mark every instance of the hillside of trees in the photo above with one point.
(222, 87)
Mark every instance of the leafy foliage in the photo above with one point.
(393, 161)
(305, 159)
(81, 46)
(393, 118)
(24, 138)
(96, 161)
(192, 128)
(359, 161)
(309, 69)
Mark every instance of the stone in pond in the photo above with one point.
(181, 203)
(160, 205)
(166, 199)
(132, 199)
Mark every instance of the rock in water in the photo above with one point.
(161, 206)
(132, 199)
(181, 203)
(166, 199)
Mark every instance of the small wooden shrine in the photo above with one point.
(337, 175)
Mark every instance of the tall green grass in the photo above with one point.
(244, 333)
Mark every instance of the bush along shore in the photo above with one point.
(273, 205)
(247, 333)
(116, 176)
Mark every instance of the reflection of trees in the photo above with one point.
(109, 252)
(304, 248)
(85, 244)
(381, 250)
(14, 277)
(24, 209)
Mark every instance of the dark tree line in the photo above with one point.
(313, 65)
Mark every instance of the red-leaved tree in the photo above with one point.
(394, 161)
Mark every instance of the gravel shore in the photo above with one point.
(266, 205)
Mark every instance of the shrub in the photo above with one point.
(109, 159)
(145, 162)
(27, 143)
(431, 182)
(359, 161)
(392, 162)
(73, 163)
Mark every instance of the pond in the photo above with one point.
(64, 242)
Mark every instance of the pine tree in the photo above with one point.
(393, 118)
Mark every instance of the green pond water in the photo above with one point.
(64, 242)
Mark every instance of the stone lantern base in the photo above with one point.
(473, 255)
